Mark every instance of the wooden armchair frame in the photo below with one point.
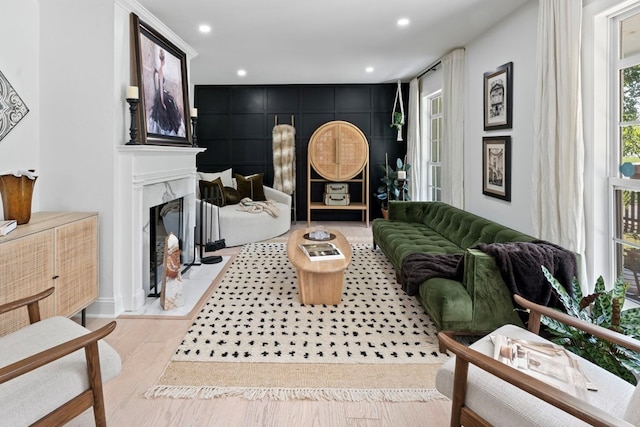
(92, 397)
(463, 415)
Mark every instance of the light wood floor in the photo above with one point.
(146, 345)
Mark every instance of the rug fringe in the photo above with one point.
(346, 395)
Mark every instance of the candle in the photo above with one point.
(194, 112)
(402, 175)
(132, 92)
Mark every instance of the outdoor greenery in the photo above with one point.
(603, 308)
(631, 113)
(391, 189)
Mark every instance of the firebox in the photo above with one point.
(163, 219)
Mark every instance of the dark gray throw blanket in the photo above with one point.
(418, 267)
(519, 263)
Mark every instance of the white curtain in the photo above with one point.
(558, 157)
(414, 146)
(453, 128)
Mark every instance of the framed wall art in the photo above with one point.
(498, 97)
(160, 72)
(12, 107)
(496, 167)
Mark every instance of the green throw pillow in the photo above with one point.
(251, 186)
(231, 196)
(212, 191)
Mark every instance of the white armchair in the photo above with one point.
(53, 369)
(485, 391)
(237, 227)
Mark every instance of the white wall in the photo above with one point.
(19, 63)
(70, 62)
(512, 40)
(79, 116)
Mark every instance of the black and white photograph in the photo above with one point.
(496, 167)
(498, 97)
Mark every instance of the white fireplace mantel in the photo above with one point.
(147, 176)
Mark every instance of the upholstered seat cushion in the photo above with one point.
(237, 227)
(29, 397)
(498, 402)
(405, 238)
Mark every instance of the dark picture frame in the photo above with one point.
(160, 72)
(496, 167)
(498, 97)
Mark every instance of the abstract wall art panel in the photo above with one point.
(12, 108)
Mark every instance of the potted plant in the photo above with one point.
(603, 308)
(393, 188)
(398, 122)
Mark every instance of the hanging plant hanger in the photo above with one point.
(397, 117)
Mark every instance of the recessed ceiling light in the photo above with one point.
(403, 22)
(369, 69)
(204, 28)
(242, 73)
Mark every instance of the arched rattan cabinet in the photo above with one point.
(338, 152)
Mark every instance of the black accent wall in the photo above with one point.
(235, 125)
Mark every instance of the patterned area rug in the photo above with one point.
(254, 339)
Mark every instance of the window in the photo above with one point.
(433, 135)
(625, 152)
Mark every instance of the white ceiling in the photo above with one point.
(329, 41)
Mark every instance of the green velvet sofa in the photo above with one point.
(481, 301)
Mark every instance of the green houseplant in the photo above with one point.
(397, 123)
(603, 308)
(392, 188)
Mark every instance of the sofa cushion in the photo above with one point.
(29, 397)
(239, 227)
(251, 186)
(231, 196)
(486, 393)
(399, 239)
(632, 414)
(226, 176)
(212, 191)
(448, 304)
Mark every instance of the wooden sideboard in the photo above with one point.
(58, 249)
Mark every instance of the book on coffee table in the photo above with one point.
(321, 251)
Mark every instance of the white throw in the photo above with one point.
(284, 158)
(248, 205)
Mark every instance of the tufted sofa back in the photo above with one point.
(462, 228)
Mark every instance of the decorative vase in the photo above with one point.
(399, 137)
(16, 194)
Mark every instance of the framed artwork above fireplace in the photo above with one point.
(160, 73)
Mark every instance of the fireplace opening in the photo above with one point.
(163, 219)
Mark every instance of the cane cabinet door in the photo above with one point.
(338, 151)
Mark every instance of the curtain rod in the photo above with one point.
(429, 68)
